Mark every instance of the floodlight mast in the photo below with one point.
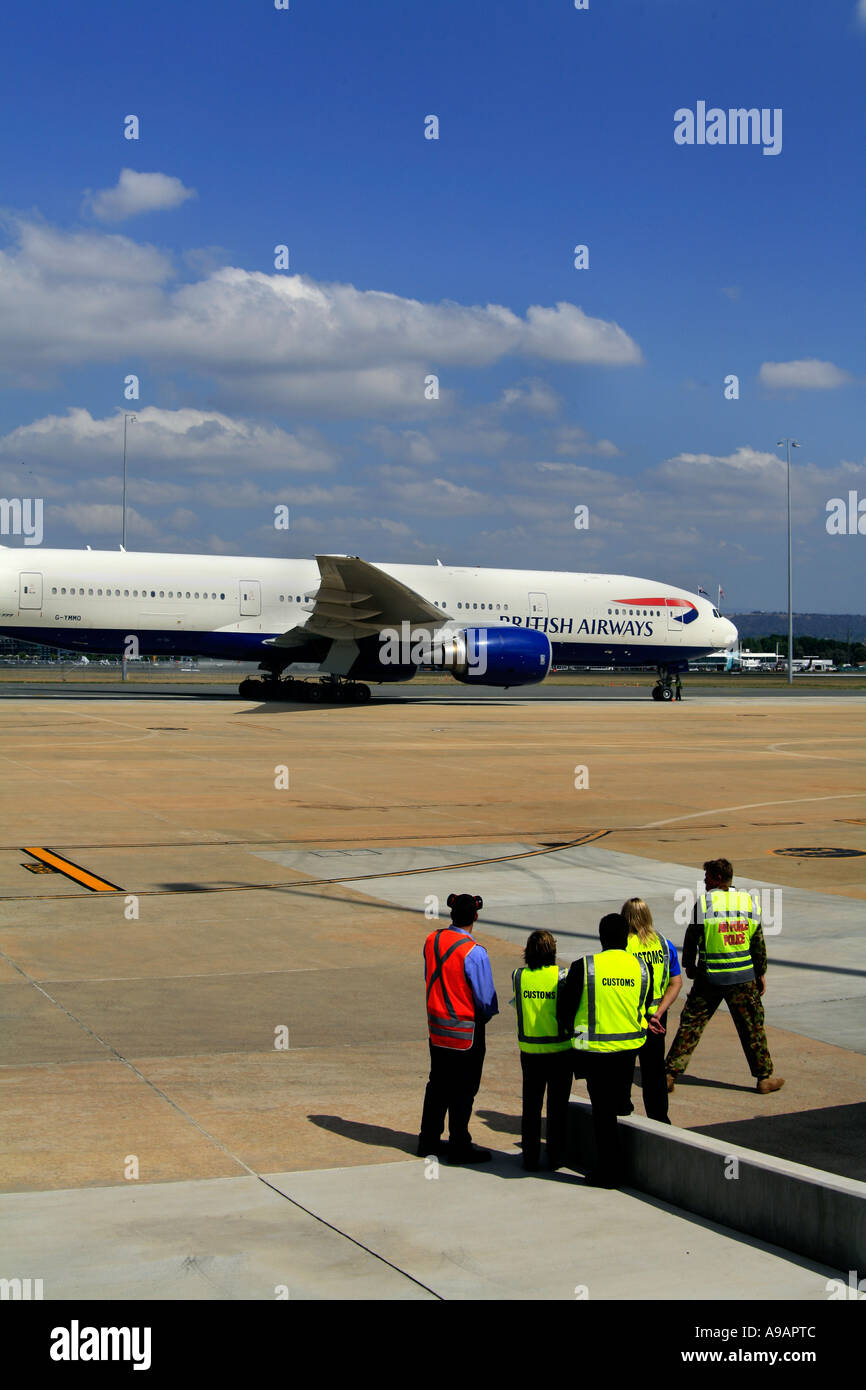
(789, 443)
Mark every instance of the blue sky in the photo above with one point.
(409, 257)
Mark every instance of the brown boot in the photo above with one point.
(768, 1084)
(672, 1081)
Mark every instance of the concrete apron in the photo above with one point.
(813, 1213)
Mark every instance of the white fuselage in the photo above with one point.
(229, 606)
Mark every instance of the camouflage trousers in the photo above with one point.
(747, 1011)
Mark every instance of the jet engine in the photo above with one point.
(501, 656)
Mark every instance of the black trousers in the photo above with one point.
(453, 1085)
(609, 1077)
(550, 1071)
(653, 1081)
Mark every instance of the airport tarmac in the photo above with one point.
(75, 684)
(204, 903)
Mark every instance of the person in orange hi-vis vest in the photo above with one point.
(460, 1000)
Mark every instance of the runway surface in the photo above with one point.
(210, 932)
(419, 691)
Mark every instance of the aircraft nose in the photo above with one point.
(727, 633)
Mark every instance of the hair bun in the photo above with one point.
(450, 899)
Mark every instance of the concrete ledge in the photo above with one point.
(817, 1214)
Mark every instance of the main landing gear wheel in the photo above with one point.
(349, 693)
(331, 692)
(305, 692)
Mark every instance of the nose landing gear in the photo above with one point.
(663, 688)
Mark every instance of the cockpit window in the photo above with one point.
(716, 613)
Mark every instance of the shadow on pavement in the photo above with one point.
(379, 1136)
(499, 1122)
(686, 1080)
(833, 1139)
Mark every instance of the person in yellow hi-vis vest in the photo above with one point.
(545, 1055)
(603, 1004)
(660, 956)
(725, 955)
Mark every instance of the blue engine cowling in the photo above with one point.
(500, 656)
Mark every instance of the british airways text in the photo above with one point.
(594, 627)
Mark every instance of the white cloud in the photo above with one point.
(215, 545)
(531, 395)
(294, 321)
(350, 526)
(407, 446)
(567, 334)
(104, 519)
(48, 262)
(430, 496)
(205, 442)
(246, 494)
(135, 193)
(348, 392)
(573, 439)
(276, 340)
(861, 13)
(807, 375)
(754, 463)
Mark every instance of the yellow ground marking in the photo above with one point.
(586, 839)
(74, 871)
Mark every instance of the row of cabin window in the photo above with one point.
(491, 606)
(638, 612)
(284, 598)
(99, 593)
(653, 613)
(127, 593)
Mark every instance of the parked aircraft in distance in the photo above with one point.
(355, 621)
(812, 663)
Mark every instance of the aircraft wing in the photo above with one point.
(356, 599)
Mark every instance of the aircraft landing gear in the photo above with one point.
(663, 689)
(325, 692)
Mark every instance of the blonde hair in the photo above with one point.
(639, 920)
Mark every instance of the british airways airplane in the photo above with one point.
(354, 621)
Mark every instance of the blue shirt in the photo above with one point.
(674, 964)
(476, 968)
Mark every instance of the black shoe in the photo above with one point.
(471, 1155)
(428, 1150)
(531, 1166)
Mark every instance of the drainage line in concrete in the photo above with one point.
(207, 1134)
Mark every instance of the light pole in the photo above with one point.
(789, 443)
(126, 420)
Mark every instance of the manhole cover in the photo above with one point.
(811, 852)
